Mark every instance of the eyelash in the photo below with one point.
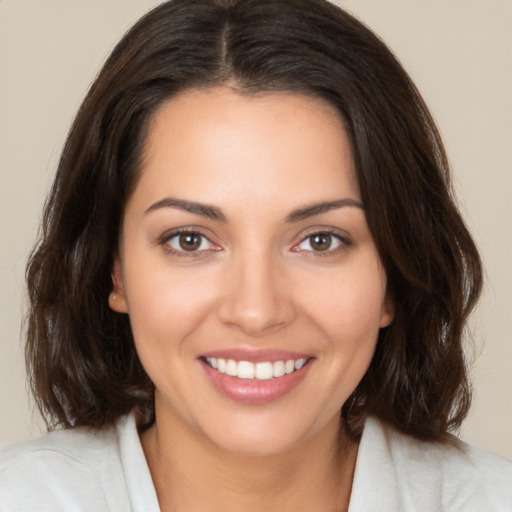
(342, 238)
(167, 237)
(164, 240)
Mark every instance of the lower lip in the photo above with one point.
(254, 392)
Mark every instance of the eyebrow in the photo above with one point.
(318, 208)
(214, 213)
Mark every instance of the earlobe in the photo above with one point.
(388, 311)
(117, 298)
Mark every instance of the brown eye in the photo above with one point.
(189, 241)
(321, 241)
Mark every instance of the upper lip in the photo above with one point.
(256, 355)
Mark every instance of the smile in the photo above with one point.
(264, 370)
(255, 377)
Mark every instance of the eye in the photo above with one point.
(187, 242)
(321, 242)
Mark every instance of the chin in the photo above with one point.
(263, 445)
(261, 435)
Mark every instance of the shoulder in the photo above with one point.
(75, 469)
(464, 473)
(452, 477)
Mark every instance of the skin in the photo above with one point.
(255, 282)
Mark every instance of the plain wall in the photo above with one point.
(457, 52)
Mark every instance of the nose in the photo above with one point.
(259, 299)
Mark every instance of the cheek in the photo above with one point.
(166, 304)
(350, 301)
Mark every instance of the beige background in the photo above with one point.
(457, 51)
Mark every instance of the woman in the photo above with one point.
(252, 282)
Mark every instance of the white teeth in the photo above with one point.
(245, 370)
(299, 364)
(289, 366)
(212, 361)
(278, 369)
(264, 371)
(259, 371)
(231, 368)
(221, 364)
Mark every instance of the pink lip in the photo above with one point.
(251, 391)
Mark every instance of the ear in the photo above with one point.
(117, 297)
(388, 311)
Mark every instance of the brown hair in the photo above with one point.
(81, 358)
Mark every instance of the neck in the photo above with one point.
(191, 473)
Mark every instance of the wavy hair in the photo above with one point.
(81, 358)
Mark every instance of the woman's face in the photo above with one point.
(253, 285)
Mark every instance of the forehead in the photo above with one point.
(217, 145)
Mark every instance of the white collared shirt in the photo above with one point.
(106, 471)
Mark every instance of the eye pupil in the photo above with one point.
(189, 241)
(321, 241)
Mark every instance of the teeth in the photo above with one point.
(221, 364)
(231, 368)
(289, 366)
(212, 362)
(245, 370)
(259, 371)
(264, 371)
(278, 369)
(299, 364)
